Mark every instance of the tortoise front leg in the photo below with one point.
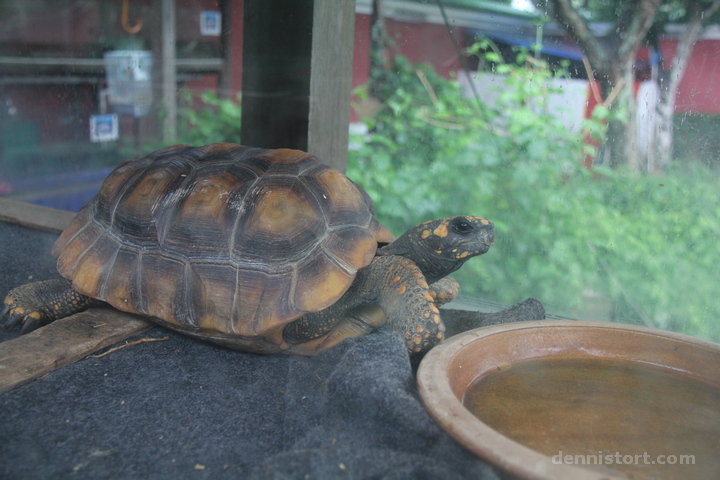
(390, 290)
(410, 304)
(31, 306)
(444, 290)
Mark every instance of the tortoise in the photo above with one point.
(259, 250)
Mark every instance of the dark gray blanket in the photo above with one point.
(181, 408)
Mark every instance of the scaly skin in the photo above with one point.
(397, 286)
(397, 283)
(36, 304)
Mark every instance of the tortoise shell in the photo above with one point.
(222, 238)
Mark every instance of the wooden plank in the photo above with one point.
(34, 216)
(63, 342)
(331, 80)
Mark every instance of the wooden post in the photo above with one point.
(331, 80)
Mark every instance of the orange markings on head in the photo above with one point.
(402, 289)
(396, 279)
(425, 234)
(441, 230)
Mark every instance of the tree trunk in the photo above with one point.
(612, 59)
(628, 101)
(669, 81)
(622, 138)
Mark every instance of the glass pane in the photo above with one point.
(501, 113)
(485, 108)
(587, 134)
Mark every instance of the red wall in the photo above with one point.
(361, 50)
(699, 89)
(426, 43)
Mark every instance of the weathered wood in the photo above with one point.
(331, 80)
(34, 216)
(63, 342)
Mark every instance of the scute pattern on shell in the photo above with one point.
(223, 238)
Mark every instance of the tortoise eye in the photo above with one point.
(462, 227)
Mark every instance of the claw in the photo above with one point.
(12, 322)
(29, 324)
(13, 317)
(8, 319)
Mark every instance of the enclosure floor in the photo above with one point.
(180, 408)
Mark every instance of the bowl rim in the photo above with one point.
(510, 456)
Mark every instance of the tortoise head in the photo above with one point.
(439, 247)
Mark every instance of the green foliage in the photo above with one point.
(695, 135)
(214, 120)
(565, 234)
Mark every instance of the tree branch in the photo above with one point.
(697, 18)
(710, 11)
(634, 35)
(669, 81)
(577, 27)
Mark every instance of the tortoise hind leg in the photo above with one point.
(31, 306)
(356, 322)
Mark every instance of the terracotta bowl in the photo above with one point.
(449, 370)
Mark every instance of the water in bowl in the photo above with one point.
(623, 417)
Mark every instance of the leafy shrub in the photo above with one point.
(207, 118)
(646, 244)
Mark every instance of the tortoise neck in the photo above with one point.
(432, 266)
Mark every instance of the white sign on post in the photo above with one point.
(210, 23)
(104, 128)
